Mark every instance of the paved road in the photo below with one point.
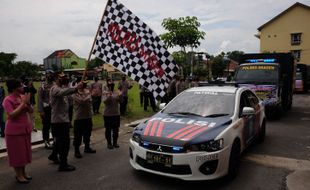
(265, 166)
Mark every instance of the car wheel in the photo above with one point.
(262, 132)
(234, 160)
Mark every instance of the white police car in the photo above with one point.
(200, 134)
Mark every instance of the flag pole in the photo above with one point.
(90, 53)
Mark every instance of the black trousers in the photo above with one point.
(111, 124)
(149, 96)
(46, 122)
(82, 130)
(62, 141)
(96, 103)
(123, 104)
(70, 113)
(141, 98)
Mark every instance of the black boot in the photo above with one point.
(66, 168)
(54, 158)
(115, 145)
(89, 150)
(77, 153)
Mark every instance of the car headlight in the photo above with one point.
(209, 146)
(136, 138)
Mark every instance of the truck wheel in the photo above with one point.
(234, 160)
(262, 132)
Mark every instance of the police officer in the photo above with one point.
(60, 121)
(44, 107)
(82, 103)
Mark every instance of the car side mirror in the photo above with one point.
(246, 111)
(162, 105)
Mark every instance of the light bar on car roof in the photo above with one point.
(261, 60)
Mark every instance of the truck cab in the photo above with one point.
(271, 76)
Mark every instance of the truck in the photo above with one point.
(302, 81)
(271, 76)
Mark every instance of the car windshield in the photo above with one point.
(263, 74)
(202, 103)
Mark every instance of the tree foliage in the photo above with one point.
(183, 32)
(234, 55)
(18, 69)
(95, 63)
(218, 65)
(6, 63)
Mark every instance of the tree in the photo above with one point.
(25, 68)
(234, 55)
(6, 63)
(218, 65)
(183, 32)
(95, 63)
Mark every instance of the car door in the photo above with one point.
(248, 120)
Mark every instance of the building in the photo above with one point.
(62, 60)
(289, 31)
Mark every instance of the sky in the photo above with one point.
(33, 29)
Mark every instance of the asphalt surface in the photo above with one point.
(287, 142)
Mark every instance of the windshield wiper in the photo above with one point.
(185, 113)
(217, 115)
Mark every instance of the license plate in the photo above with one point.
(159, 158)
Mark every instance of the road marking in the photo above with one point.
(279, 162)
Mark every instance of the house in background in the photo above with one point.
(68, 62)
(62, 60)
(289, 31)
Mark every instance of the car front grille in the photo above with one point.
(162, 148)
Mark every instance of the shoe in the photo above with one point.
(110, 146)
(78, 155)
(66, 168)
(54, 159)
(116, 146)
(28, 178)
(34, 130)
(89, 150)
(21, 181)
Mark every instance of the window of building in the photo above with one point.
(74, 63)
(295, 38)
(296, 54)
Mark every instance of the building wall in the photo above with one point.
(67, 62)
(276, 36)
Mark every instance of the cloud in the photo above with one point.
(34, 28)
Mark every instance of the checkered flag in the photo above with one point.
(127, 43)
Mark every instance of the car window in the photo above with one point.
(244, 102)
(252, 99)
(202, 103)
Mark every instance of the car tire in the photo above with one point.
(234, 160)
(262, 133)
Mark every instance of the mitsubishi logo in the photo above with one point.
(159, 149)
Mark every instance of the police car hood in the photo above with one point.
(180, 130)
